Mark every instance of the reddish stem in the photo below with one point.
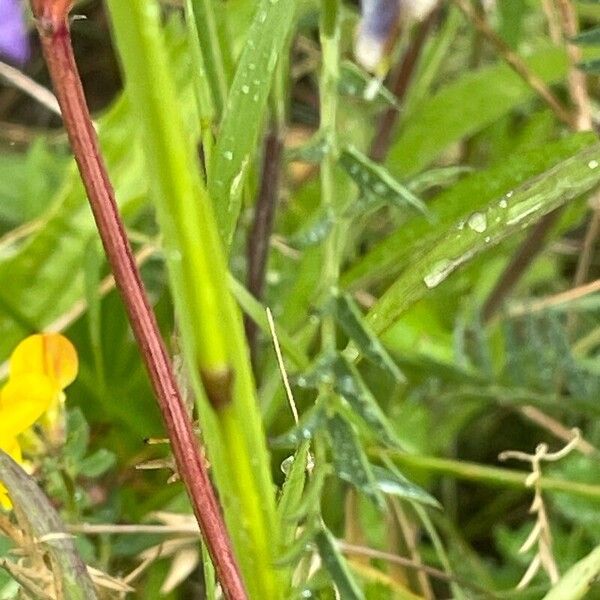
(58, 52)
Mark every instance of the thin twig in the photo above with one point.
(111, 528)
(399, 82)
(555, 300)
(262, 226)
(557, 429)
(52, 22)
(589, 243)
(552, 18)
(576, 78)
(519, 263)
(405, 562)
(284, 377)
(33, 89)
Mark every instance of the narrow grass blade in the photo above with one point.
(336, 565)
(478, 231)
(246, 107)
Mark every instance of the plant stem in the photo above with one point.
(210, 322)
(527, 251)
(259, 236)
(400, 80)
(485, 475)
(330, 38)
(58, 52)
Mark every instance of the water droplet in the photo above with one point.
(439, 272)
(477, 222)
(286, 465)
(593, 164)
(487, 239)
(503, 203)
(228, 155)
(509, 194)
(245, 89)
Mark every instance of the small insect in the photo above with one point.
(379, 24)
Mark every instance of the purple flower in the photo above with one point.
(379, 18)
(378, 22)
(14, 42)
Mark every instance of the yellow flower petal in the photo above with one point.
(23, 400)
(49, 353)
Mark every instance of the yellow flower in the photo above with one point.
(40, 368)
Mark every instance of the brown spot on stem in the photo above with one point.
(218, 384)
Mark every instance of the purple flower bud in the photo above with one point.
(379, 18)
(14, 43)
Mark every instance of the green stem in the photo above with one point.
(210, 323)
(493, 476)
(330, 37)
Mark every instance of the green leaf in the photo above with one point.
(27, 181)
(465, 106)
(344, 378)
(375, 179)
(98, 463)
(440, 177)
(455, 246)
(78, 435)
(359, 84)
(350, 461)
(578, 580)
(337, 567)
(590, 66)
(469, 195)
(313, 233)
(292, 553)
(354, 326)
(291, 493)
(210, 583)
(312, 151)
(245, 109)
(393, 483)
(311, 421)
(591, 37)
(31, 505)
